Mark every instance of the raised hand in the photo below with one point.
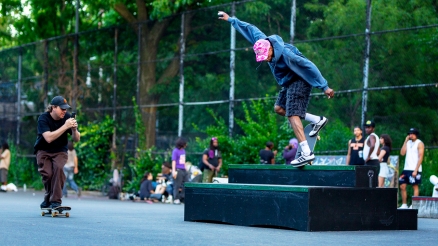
(329, 92)
(223, 16)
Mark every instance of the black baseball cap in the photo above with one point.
(370, 123)
(60, 102)
(414, 131)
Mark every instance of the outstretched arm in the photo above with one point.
(249, 31)
(307, 70)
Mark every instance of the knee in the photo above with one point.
(279, 110)
(403, 187)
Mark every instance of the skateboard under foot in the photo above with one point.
(58, 211)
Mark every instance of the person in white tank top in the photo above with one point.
(413, 148)
(371, 145)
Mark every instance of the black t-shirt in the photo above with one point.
(266, 156)
(355, 147)
(47, 123)
(216, 156)
(387, 153)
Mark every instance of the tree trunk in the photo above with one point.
(150, 39)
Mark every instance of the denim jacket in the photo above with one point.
(288, 64)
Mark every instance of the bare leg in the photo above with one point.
(416, 190)
(279, 110)
(403, 193)
(381, 182)
(295, 121)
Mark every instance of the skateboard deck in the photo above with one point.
(58, 211)
(311, 141)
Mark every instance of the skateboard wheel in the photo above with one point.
(67, 215)
(53, 214)
(42, 213)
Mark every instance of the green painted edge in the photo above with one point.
(249, 187)
(288, 167)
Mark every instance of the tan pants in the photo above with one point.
(51, 168)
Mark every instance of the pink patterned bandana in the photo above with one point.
(261, 49)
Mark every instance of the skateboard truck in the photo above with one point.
(371, 175)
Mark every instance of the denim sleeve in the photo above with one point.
(304, 68)
(249, 31)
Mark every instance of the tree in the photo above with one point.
(151, 33)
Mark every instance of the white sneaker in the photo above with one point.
(410, 207)
(404, 206)
(169, 199)
(318, 126)
(177, 202)
(303, 159)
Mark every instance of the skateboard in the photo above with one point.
(58, 211)
(311, 141)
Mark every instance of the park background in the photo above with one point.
(141, 73)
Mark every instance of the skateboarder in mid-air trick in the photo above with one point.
(295, 74)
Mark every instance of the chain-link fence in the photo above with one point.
(177, 67)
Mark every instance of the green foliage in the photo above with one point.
(23, 169)
(260, 125)
(94, 154)
(145, 160)
(334, 137)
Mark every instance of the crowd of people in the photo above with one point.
(372, 152)
(57, 160)
(168, 186)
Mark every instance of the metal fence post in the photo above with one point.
(232, 75)
(20, 56)
(46, 72)
(75, 59)
(292, 21)
(137, 92)
(366, 62)
(115, 86)
(181, 78)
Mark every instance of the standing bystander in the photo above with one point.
(51, 148)
(70, 169)
(290, 151)
(212, 159)
(385, 151)
(267, 156)
(371, 145)
(413, 148)
(355, 148)
(5, 161)
(179, 173)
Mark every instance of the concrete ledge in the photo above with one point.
(340, 175)
(304, 208)
(427, 206)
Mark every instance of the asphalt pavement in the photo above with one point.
(96, 220)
